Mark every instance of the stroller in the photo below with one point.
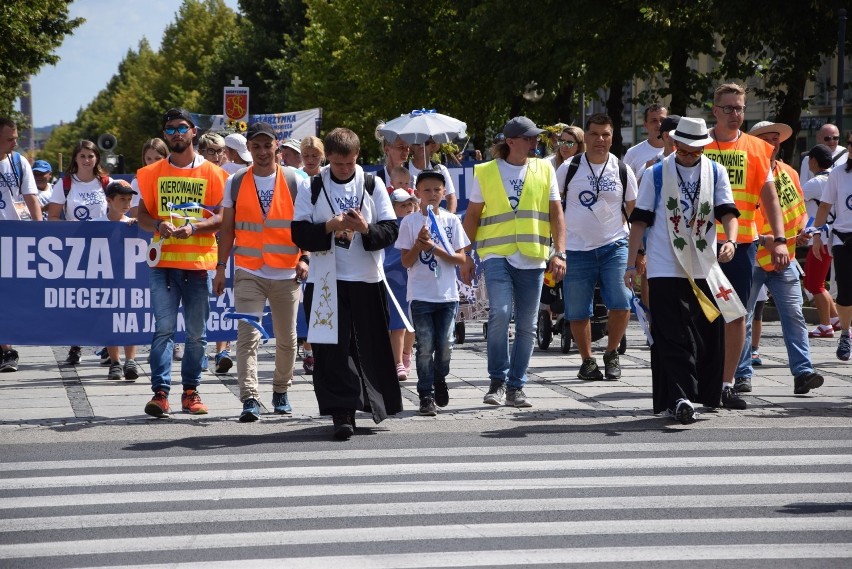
(552, 304)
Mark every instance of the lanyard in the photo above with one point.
(597, 179)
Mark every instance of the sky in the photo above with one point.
(90, 57)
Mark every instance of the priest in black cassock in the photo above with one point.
(346, 225)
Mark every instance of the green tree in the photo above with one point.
(31, 30)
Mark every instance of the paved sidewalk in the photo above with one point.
(47, 392)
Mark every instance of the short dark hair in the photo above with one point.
(598, 118)
(6, 121)
(342, 141)
(654, 108)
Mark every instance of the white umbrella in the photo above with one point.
(418, 126)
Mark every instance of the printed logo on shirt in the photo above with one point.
(689, 192)
(607, 183)
(849, 202)
(734, 161)
(82, 213)
(517, 187)
(265, 197)
(8, 180)
(786, 189)
(177, 190)
(347, 203)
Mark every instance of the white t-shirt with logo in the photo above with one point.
(354, 264)
(586, 231)
(85, 202)
(660, 255)
(432, 279)
(839, 192)
(513, 182)
(12, 204)
(264, 187)
(449, 187)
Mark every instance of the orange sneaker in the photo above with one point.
(159, 405)
(191, 402)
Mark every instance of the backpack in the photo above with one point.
(574, 165)
(657, 170)
(317, 186)
(66, 184)
(289, 177)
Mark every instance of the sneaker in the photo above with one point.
(223, 361)
(281, 403)
(805, 382)
(131, 370)
(732, 400)
(251, 411)
(9, 361)
(177, 354)
(401, 374)
(308, 365)
(756, 360)
(821, 332)
(73, 356)
(742, 385)
(115, 371)
(844, 347)
(518, 398)
(442, 393)
(427, 406)
(159, 405)
(495, 394)
(105, 359)
(343, 430)
(590, 370)
(684, 411)
(191, 403)
(612, 368)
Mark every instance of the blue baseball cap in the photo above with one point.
(42, 166)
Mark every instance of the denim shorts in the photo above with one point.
(585, 269)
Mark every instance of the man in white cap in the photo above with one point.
(291, 153)
(782, 282)
(239, 156)
(513, 213)
(686, 194)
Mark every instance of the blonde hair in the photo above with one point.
(577, 133)
(727, 89)
(312, 142)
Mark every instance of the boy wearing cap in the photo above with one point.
(42, 172)
(820, 162)
(188, 250)
(119, 197)
(679, 201)
(432, 244)
(514, 212)
(346, 221)
(783, 281)
(256, 218)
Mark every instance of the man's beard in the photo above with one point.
(178, 146)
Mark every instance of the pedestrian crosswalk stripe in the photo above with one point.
(515, 450)
(773, 479)
(386, 508)
(454, 532)
(414, 469)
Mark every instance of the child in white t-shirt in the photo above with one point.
(119, 198)
(432, 244)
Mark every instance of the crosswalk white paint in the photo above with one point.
(107, 518)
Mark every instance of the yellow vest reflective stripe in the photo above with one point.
(792, 202)
(260, 241)
(747, 162)
(160, 184)
(502, 231)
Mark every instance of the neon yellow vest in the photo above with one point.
(502, 230)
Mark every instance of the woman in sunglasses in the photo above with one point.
(569, 143)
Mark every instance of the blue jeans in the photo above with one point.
(606, 265)
(433, 327)
(505, 283)
(170, 288)
(787, 294)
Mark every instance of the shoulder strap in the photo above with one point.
(569, 175)
(292, 182)
(836, 158)
(66, 184)
(369, 183)
(17, 169)
(657, 171)
(104, 182)
(236, 183)
(380, 173)
(622, 174)
(316, 187)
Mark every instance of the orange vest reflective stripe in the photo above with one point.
(160, 184)
(747, 162)
(261, 241)
(792, 202)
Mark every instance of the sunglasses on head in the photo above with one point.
(171, 130)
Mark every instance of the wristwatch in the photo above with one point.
(780, 240)
(560, 255)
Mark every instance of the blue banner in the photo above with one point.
(88, 284)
